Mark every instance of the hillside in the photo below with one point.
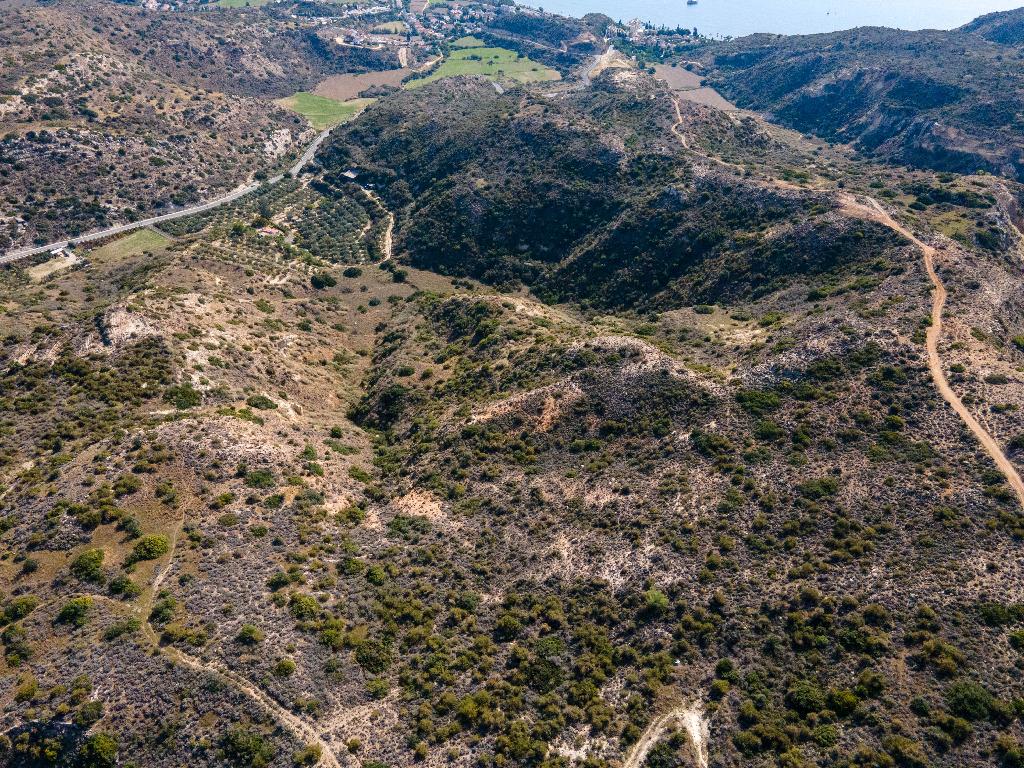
(1006, 28)
(947, 101)
(111, 113)
(568, 424)
(587, 199)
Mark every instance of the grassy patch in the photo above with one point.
(468, 42)
(323, 112)
(391, 28)
(131, 245)
(492, 63)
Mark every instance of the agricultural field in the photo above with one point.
(391, 28)
(493, 63)
(135, 244)
(321, 112)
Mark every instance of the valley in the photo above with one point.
(462, 384)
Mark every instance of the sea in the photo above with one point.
(735, 18)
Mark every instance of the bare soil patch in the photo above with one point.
(708, 97)
(678, 78)
(349, 86)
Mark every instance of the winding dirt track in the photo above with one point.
(874, 211)
(302, 730)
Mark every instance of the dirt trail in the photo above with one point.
(875, 212)
(388, 240)
(738, 169)
(691, 718)
(679, 121)
(304, 731)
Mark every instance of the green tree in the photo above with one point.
(99, 750)
(88, 566)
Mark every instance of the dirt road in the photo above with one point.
(387, 243)
(691, 718)
(302, 730)
(874, 211)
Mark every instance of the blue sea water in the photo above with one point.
(720, 18)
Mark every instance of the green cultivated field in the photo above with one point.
(323, 112)
(468, 42)
(131, 245)
(392, 28)
(493, 63)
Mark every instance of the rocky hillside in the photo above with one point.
(942, 100)
(585, 427)
(588, 199)
(1006, 28)
(110, 113)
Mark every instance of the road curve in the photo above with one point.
(874, 211)
(230, 197)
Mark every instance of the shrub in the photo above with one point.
(88, 566)
(260, 478)
(309, 755)
(246, 748)
(805, 697)
(124, 627)
(820, 488)
(969, 700)
(18, 608)
(377, 687)
(260, 402)
(352, 272)
(75, 611)
(656, 602)
(99, 750)
(303, 606)
(150, 547)
(126, 485)
(183, 396)
(757, 401)
(843, 702)
(250, 634)
(373, 656)
(905, 752)
(323, 280)
(284, 668)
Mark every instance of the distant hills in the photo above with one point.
(945, 100)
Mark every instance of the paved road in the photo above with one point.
(295, 170)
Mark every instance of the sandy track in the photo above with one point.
(875, 212)
(690, 717)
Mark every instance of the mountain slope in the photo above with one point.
(943, 100)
